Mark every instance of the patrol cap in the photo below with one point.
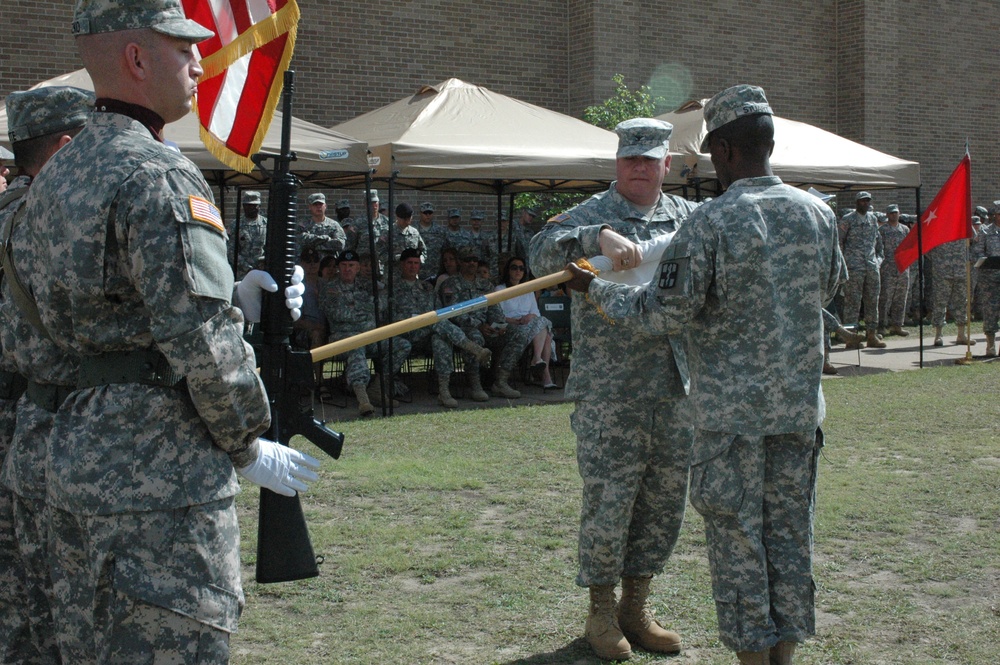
(373, 196)
(863, 195)
(531, 211)
(45, 111)
(318, 197)
(976, 219)
(476, 214)
(995, 208)
(5, 153)
(454, 212)
(892, 207)
(426, 206)
(343, 203)
(732, 104)
(468, 252)
(164, 16)
(982, 212)
(348, 255)
(409, 253)
(643, 137)
(252, 197)
(309, 255)
(404, 210)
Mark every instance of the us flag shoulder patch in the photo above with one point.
(205, 211)
(558, 218)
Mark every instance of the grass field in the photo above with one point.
(451, 538)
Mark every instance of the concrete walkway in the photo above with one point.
(903, 353)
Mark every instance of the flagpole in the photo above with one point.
(967, 360)
(920, 278)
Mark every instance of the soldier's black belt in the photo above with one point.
(145, 366)
(48, 396)
(12, 385)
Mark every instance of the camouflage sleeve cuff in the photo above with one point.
(246, 456)
(590, 239)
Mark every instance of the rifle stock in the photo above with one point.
(284, 551)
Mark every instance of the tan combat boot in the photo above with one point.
(962, 339)
(938, 341)
(444, 395)
(873, 341)
(502, 388)
(603, 633)
(481, 353)
(991, 345)
(365, 407)
(753, 657)
(852, 340)
(476, 392)
(781, 653)
(636, 619)
(898, 330)
(375, 392)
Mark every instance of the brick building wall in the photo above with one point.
(910, 77)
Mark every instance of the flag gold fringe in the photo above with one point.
(284, 21)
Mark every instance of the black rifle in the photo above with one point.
(284, 551)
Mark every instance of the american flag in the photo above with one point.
(244, 64)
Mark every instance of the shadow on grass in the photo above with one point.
(577, 652)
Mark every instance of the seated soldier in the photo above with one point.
(414, 296)
(350, 310)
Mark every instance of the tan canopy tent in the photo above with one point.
(456, 136)
(323, 156)
(803, 155)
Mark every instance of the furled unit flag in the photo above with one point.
(947, 218)
(244, 68)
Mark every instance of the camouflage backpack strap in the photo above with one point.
(19, 292)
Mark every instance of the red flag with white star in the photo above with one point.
(244, 68)
(947, 218)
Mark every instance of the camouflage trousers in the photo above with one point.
(892, 297)
(147, 587)
(989, 299)
(633, 458)
(862, 288)
(949, 295)
(518, 338)
(445, 339)
(757, 495)
(356, 361)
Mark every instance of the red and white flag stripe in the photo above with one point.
(244, 64)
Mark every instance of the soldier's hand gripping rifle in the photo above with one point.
(284, 551)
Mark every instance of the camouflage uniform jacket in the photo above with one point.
(252, 236)
(613, 362)
(746, 277)
(457, 239)
(987, 243)
(32, 355)
(950, 260)
(380, 225)
(486, 247)
(405, 238)
(891, 236)
(861, 242)
(463, 289)
(434, 240)
(412, 298)
(130, 261)
(326, 237)
(349, 308)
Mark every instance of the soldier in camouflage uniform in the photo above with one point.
(39, 123)
(988, 245)
(484, 245)
(404, 236)
(380, 227)
(455, 235)
(518, 240)
(434, 239)
(252, 234)
(951, 289)
(350, 310)
(413, 297)
(633, 439)
(130, 274)
(861, 244)
(319, 232)
(746, 278)
(895, 285)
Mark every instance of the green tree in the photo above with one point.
(623, 104)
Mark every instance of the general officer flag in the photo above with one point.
(947, 218)
(244, 69)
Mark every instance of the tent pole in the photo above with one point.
(920, 277)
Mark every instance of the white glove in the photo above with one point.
(250, 293)
(281, 469)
